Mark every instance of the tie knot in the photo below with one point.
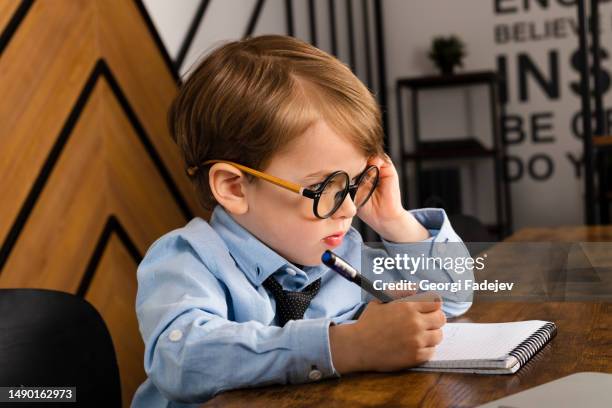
(291, 305)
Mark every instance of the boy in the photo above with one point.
(284, 143)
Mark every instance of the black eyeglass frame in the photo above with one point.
(350, 189)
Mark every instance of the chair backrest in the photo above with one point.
(51, 338)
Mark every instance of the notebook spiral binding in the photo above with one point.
(530, 346)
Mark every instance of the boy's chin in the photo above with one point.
(315, 260)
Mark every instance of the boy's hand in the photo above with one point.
(388, 337)
(384, 212)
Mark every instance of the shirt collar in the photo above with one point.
(255, 259)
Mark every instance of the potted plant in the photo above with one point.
(447, 53)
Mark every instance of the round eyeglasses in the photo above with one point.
(328, 195)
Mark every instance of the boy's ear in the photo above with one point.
(227, 186)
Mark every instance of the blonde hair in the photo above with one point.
(249, 99)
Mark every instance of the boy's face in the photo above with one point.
(284, 220)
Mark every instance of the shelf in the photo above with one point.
(436, 81)
(462, 147)
(450, 149)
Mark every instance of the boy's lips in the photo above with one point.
(334, 239)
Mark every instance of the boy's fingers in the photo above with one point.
(425, 354)
(434, 320)
(427, 297)
(433, 337)
(425, 307)
(413, 296)
(423, 297)
(401, 294)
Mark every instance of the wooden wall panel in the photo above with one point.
(111, 292)
(7, 9)
(43, 69)
(90, 176)
(61, 233)
(136, 192)
(144, 78)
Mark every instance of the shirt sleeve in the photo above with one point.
(443, 243)
(193, 350)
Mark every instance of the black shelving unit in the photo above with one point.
(597, 141)
(467, 147)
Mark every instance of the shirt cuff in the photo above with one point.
(437, 223)
(311, 341)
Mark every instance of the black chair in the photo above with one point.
(51, 338)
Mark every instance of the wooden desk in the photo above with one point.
(564, 234)
(583, 343)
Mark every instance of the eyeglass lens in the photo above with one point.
(366, 187)
(333, 195)
(336, 189)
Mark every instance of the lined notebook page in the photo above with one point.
(480, 341)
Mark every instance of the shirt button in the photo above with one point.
(315, 375)
(290, 271)
(175, 335)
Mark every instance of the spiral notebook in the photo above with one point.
(489, 348)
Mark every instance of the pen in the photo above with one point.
(339, 265)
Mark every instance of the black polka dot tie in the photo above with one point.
(291, 305)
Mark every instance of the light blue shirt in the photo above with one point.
(208, 324)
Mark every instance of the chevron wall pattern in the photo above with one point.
(90, 177)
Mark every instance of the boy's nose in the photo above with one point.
(347, 209)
